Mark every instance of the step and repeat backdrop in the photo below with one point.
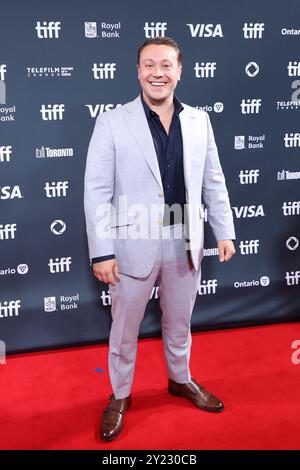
(64, 62)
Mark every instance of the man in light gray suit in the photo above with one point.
(149, 163)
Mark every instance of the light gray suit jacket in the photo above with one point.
(124, 191)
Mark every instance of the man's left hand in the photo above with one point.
(226, 250)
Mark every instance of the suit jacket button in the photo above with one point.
(161, 194)
(159, 222)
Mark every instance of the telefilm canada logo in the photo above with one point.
(49, 71)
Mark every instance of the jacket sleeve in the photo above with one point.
(215, 195)
(99, 189)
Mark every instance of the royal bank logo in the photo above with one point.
(48, 152)
(5, 153)
(58, 227)
(10, 308)
(252, 69)
(50, 72)
(217, 107)
(205, 69)
(56, 188)
(239, 142)
(52, 112)
(205, 30)
(50, 304)
(104, 71)
(249, 176)
(292, 139)
(48, 29)
(107, 30)
(253, 30)
(153, 30)
(63, 302)
(250, 106)
(249, 247)
(7, 231)
(292, 243)
(100, 108)
(90, 29)
(252, 142)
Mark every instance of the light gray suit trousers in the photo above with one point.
(178, 283)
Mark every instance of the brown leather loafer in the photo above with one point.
(197, 394)
(113, 417)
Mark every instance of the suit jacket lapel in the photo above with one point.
(187, 123)
(137, 122)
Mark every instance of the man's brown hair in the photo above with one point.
(161, 41)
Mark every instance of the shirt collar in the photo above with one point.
(177, 107)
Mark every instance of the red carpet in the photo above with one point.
(53, 400)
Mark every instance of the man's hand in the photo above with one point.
(107, 271)
(226, 250)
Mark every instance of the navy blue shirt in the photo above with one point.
(169, 152)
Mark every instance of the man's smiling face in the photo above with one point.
(158, 72)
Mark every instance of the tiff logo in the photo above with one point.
(250, 106)
(10, 309)
(248, 176)
(253, 30)
(7, 231)
(48, 30)
(155, 29)
(104, 71)
(208, 287)
(205, 69)
(291, 208)
(52, 112)
(293, 69)
(5, 153)
(59, 265)
(292, 278)
(249, 247)
(292, 139)
(56, 189)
